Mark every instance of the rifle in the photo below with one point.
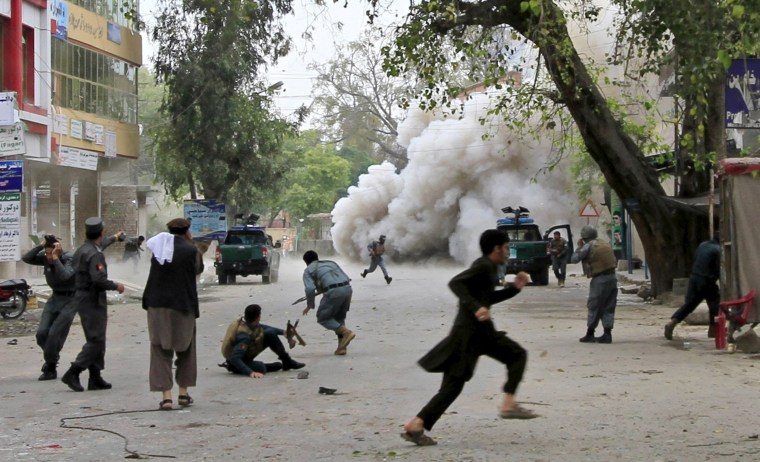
(303, 299)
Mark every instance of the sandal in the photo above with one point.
(518, 412)
(419, 438)
(184, 400)
(165, 405)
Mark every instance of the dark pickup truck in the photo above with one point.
(529, 249)
(247, 250)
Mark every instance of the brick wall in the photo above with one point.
(119, 212)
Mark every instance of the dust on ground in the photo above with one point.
(22, 326)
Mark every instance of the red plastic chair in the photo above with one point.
(736, 316)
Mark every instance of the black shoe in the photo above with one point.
(669, 328)
(605, 338)
(71, 378)
(49, 374)
(388, 280)
(289, 364)
(589, 338)
(273, 367)
(364, 274)
(227, 366)
(97, 383)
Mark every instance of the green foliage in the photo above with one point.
(317, 176)
(222, 138)
(150, 96)
(701, 37)
(695, 40)
(358, 159)
(317, 182)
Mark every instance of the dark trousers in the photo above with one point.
(700, 288)
(500, 348)
(273, 342)
(559, 266)
(602, 301)
(94, 323)
(55, 322)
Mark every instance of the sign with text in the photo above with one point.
(10, 245)
(110, 143)
(10, 210)
(208, 218)
(76, 129)
(61, 124)
(7, 108)
(77, 158)
(93, 132)
(10, 226)
(12, 140)
(11, 176)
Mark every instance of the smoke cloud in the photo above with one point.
(460, 174)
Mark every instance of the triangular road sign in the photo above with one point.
(589, 211)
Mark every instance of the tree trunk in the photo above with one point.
(191, 184)
(619, 158)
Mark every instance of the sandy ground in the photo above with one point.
(641, 398)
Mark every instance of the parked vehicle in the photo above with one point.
(528, 248)
(14, 294)
(247, 250)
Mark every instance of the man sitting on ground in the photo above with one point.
(246, 338)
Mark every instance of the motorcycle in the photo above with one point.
(14, 294)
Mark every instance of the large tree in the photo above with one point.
(358, 103)
(703, 34)
(223, 139)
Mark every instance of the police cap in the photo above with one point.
(93, 225)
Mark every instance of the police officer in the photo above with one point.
(703, 285)
(327, 278)
(599, 264)
(91, 285)
(60, 309)
(376, 251)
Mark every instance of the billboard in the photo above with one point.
(743, 94)
(11, 176)
(208, 218)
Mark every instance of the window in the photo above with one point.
(95, 83)
(28, 72)
(113, 10)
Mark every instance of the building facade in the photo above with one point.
(73, 66)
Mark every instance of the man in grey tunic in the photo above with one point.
(327, 278)
(599, 264)
(60, 309)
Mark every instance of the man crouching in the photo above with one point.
(246, 338)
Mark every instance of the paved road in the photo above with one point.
(641, 398)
